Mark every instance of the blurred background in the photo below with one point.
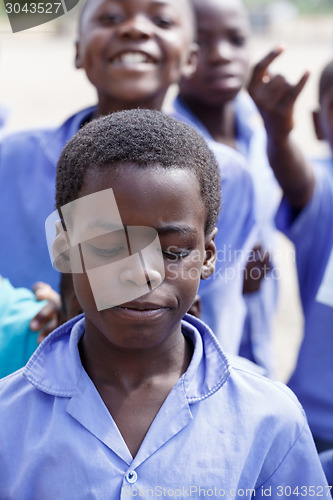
(39, 83)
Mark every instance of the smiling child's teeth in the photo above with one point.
(133, 58)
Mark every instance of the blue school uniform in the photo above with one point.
(17, 342)
(326, 460)
(27, 190)
(222, 430)
(311, 231)
(222, 300)
(251, 143)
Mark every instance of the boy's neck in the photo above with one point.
(128, 369)
(106, 106)
(134, 384)
(218, 120)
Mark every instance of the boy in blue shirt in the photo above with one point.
(306, 217)
(214, 101)
(131, 51)
(131, 399)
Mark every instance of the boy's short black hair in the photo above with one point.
(145, 138)
(326, 80)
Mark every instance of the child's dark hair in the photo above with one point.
(326, 80)
(145, 138)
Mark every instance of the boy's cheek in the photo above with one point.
(189, 269)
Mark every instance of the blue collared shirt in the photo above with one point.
(221, 429)
(27, 190)
(251, 145)
(223, 304)
(312, 234)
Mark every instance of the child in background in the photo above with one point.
(213, 100)
(131, 52)
(150, 394)
(306, 217)
(17, 307)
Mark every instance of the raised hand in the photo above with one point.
(274, 96)
(47, 318)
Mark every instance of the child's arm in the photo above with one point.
(47, 318)
(275, 99)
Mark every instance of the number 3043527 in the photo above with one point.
(33, 8)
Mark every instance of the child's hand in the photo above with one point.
(258, 266)
(47, 318)
(274, 96)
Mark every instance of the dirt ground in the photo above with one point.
(39, 82)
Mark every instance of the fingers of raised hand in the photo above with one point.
(260, 73)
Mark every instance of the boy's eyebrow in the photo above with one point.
(183, 229)
(163, 230)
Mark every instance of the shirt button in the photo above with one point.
(131, 476)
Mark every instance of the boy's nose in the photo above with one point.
(221, 51)
(135, 27)
(137, 276)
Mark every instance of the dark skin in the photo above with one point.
(135, 352)
(275, 98)
(222, 71)
(47, 318)
(162, 33)
(223, 32)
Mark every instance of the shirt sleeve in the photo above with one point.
(311, 232)
(299, 474)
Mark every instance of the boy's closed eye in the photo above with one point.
(108, 251)
(173, 253)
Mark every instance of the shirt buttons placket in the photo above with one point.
(131, 476)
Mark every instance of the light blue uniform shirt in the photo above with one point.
(27, 190)
(223, 305)
(17, 342)
(312, 234)
(220, 429)
(251, 143)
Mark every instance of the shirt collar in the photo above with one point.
(55, 367)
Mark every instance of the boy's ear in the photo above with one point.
(190, 65)
(317, 124)
(60, 249)
(78, 62)
(208, 267)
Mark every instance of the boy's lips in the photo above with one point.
(142, 306)
(140, 311)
